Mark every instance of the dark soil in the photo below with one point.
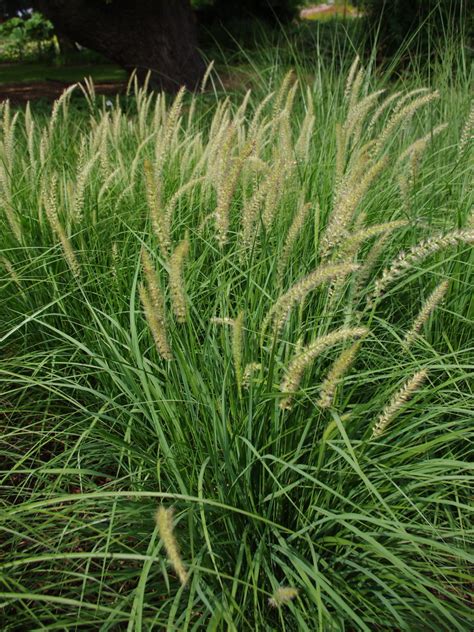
(20, 93)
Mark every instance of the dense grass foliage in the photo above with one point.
(236, 356)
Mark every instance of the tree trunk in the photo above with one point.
(147, 35)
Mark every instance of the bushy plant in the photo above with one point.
(236, 355)
(20, 34)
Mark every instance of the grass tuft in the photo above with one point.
(129, 235)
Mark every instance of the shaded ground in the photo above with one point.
(28, 82)
(19, 93)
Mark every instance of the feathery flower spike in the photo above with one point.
(164, 521)
(282, 596)
(398, 400)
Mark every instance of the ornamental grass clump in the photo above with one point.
(261, 241)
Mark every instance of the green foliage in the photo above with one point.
(20, 34)
(365, 532)
(38, 28)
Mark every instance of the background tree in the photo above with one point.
(20, 34)
(150, 35)
(153, 35)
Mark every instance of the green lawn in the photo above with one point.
(30, 73)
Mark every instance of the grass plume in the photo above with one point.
(164, 522)
(298, 365)
(397, 402)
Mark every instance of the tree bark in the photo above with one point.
(147, 35)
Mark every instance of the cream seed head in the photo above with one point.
(206, 76)
(256, 122)
(398, 99)
(164, 522)
(429, 306)
(8, 144)
(350, 77)
(115, 259)
(419, 145)
(356, 88)
(155, 322)
(51, 204)
(353, 241)
(7, 206)
(405, 261)
(216, 320)
(397, 402)
(358, 113)
(225, 193)
(340, 366)
(294, 373)
(293, 233)
(30, 134)
(467, 133)
(174, 199)
(242, 111)
(170, 127)
(303, 143)
(405, 185)
(250, 210)
(159, 225)
(154, 307)
(280, 311)
(273, 191)
(80, 187)
(250, 370)
(381, 109)
(407, 96)
(282, 94)
(282, 595)
(11, 271)
(345, 207)
(402, 116)
(178, 294)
